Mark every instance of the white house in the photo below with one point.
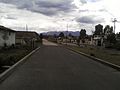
(7, 36)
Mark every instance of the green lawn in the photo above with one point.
(112, 56)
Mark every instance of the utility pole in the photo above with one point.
(26, 28)
(67, 34)
(114, 21)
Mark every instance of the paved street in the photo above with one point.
(53, 67)
(46, 43)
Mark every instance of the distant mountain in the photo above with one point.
(74, 33)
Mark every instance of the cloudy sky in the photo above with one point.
(55, 15)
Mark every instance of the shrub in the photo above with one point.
(12, 46)
(5, 45)
(117, 46)
(11, 60)
(10, 56)
(1, 61)
(109, 45)
(6, 62)
(91, 48)
(92, 54)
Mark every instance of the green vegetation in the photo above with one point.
(112, 56)
(117, 46)
(9, 56)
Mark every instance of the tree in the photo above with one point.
(41, 37)
(70, 35)
(61, 35)
(111, 29)
(98, 29)
(111, 38)
(83, 35)
(55, 36)
(108, 29)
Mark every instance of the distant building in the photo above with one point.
(99, 40)
(7, 36)
(89, 40)
(26, 37)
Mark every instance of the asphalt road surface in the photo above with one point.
(53, 67)
(47, 43)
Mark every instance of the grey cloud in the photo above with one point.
(90, 19)
(66, 5)
(10, 17)
(52, 8)
(19, 28)
(83, 1)
(48, 12)
(47, 7)
(85, 10)
(102, 10)
(93, 0)
(2, 12)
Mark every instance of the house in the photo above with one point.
(26, 37)
(98, 39)
(7, 36)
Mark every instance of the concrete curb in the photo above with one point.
(117, 67)
(6, 73)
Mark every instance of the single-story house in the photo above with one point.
(7, 36)
(26, 37)
(98, 40)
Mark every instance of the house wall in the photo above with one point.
(9, 40)
(20, 41)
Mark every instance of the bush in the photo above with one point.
(7, 61)
(117, 46)
(12, 46)
(1, 61)
(10, 60)
(10, 55)
(5, 45)
(92, 54)
(109, 45)
(91, 48)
